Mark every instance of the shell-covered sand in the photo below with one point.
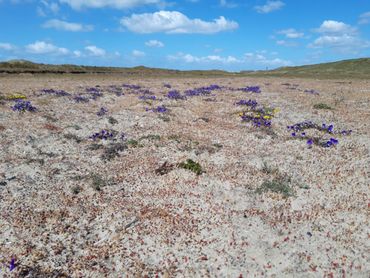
(56, 222)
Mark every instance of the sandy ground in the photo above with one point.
(67, 212)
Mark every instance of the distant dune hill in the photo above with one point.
(355, 68)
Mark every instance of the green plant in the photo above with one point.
(192, 166)
(280, 185)
(322, 106)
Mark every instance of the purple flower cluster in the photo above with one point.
(148, 97)
(94, 92)
(80, 98)
(102, 112)
(174, 94)
(117, 90)
(298, 131)
(102, 135)
(256, 121)
(158, 109)
(251, 89)
(252, 103)
(202, 91)
(59, 93)
(22, 106)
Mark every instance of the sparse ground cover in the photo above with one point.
(102, 176)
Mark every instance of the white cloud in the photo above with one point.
(6, 46)
(291, 33)
(339, 36)
(258, 59)
(332, 26)
(344, 42)
(269, 7)
(47, 7)
(227, 4)
(364, 18)
(137, 53)
(118, 4)
(95, 51)
(77, 53)
(41, 47)
(286, 43)
(154, 43)
(175, 22)
(66, 26)
(247, 60)
(188, 58)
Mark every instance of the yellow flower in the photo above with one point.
(276, 110)
(16, 96)
(267, 117)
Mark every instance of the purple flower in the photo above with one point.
(174, 94)
(22, 106)
(251, 89)
(12, 264)
(309, 142)
(102, 112)
(81, 99)
(293, 134)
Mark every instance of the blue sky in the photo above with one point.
(190, 34)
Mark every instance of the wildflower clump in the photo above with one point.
(22, 106)
(250, 89)
(158, 109)
(102, 112)
(106, 134)
(325, 138)
(174, 94)
(259, 116)
(202, 91)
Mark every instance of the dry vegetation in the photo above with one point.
(188, 192)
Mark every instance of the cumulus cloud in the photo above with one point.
(154, 43)
(340, 36)
(364, 18)
(258, 59)
(188, 58)
(175, 22)
(345, 42)
(332, 26)
(137, 53)
(47, 7)
(41, 47)
(291, 33)
(93, 50)
(269, 7)
(286, 43)
(117, 4)
(227, 4)
(6, 46)
(67, 26)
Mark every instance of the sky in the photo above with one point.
(231, 35)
